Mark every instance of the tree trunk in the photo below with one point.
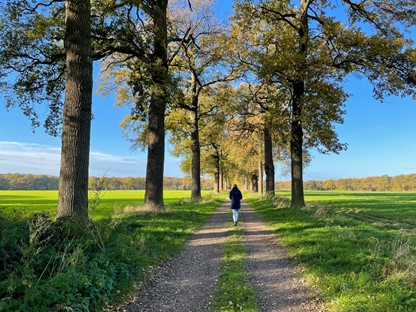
(216, 182)
(156, 114)
(217, 174)
(76, 124)
(195, 147)
(221, 178)
(254, 182)
(268, 162)
(296, 141)
(227, 183)
(260, 180)
(196, 161)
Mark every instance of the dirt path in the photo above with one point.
(187, 283)
(277, 284)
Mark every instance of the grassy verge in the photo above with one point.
(234, 292)
(47, 266)
(358, 249)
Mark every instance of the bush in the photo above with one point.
(49, 265)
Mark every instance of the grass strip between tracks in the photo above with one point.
(234, 293)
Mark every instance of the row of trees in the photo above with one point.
(139, 183)
(385, 183)
(291, 62)
(266, 87)
(15, 181)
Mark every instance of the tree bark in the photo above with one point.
(157, 107)
(216, 182)
(196, 162)
(296, 143)
(255, 181)
(76, 124)
(217, 174)
(260, 179)
(195, 147)
(268, 163)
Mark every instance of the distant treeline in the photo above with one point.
(382, 183)
(385, 183)
(16, 181)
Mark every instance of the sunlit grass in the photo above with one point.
(358, 248)
(102, 204)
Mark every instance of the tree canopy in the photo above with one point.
(237, 97)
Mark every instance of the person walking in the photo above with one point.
(235, 196)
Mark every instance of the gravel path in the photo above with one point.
(277, 284)
(187, 283)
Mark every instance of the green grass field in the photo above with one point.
(109, 202)
(358, 249)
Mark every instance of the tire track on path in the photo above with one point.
(187, 282)
(271, 272)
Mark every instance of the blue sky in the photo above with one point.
(380, 137)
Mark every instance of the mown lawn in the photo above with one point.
(52, 266)
(358, 249)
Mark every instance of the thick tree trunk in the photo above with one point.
(268, 163)
(195, 147)
(196, 162)
(156, 114)
(155, 158)
(76, 125)
(296, 143)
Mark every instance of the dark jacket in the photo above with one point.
(235, 196)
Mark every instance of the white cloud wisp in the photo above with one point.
(21, 157)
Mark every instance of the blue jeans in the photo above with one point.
(235, 214)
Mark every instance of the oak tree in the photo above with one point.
(201, 62)
(313, 51)
(46, 52)
(132, 39)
